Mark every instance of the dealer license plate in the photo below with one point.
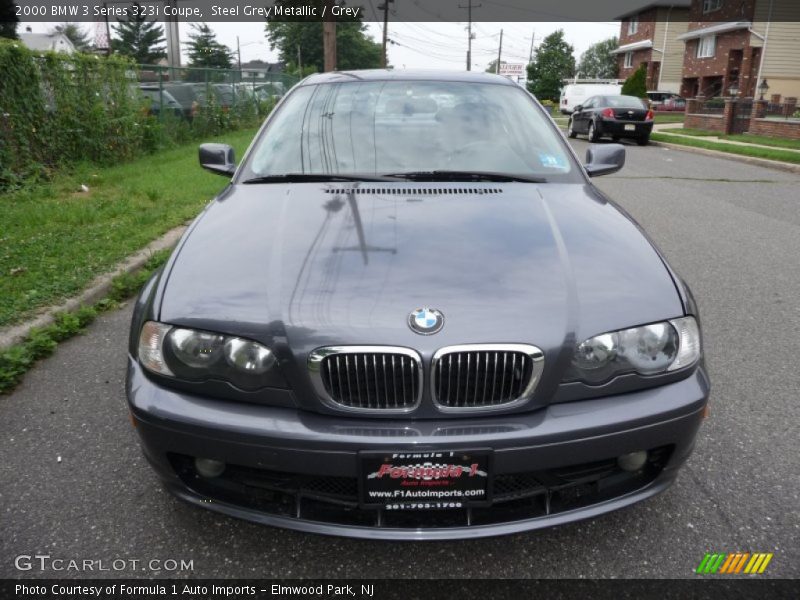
(425, 480)
(630, 127)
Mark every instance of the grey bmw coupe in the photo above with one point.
(411, 315)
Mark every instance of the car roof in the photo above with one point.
(406, 75)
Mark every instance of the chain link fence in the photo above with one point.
(59, 109)
(187, 92)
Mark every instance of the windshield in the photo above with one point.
(395, 127)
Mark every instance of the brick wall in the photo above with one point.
(775, 128)
(707, 122)
(639, 56)
(718, 65)
(646, 30)
(731, 10)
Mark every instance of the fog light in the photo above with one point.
(633, 461)
(208, 467)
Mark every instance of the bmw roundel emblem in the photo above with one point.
(425, 321)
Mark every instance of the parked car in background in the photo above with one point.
(410, 314)
(576, 93)
(616, 117)
(223, 94)
(161, 101)
(181, 95)
(666, 101)
(270, 91)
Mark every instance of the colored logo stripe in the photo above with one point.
(734, 563)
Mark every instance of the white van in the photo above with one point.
(573, 94)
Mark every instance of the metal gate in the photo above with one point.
(741, 115)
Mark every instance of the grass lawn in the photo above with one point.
(669, 117)
(743, 137)
(54, 239)
(768, 153)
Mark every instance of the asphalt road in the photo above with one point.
(733, 232)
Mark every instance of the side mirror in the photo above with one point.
(218, 158)
(578, 108)
(605, 159)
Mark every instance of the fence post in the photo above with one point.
(693, 105)
(759, 109)
(728, 115)
(161, 94)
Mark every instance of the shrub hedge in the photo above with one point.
(58, 109)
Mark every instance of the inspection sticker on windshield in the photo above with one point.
(425, 480)
(551, 161)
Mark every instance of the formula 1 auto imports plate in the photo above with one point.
(433, 480)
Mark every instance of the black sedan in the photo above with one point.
(410, 315)
(616, 117)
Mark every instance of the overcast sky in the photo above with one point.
(421, 45)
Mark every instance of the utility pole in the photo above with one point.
(329, 39)
(530, 56)
(385, 8)
(469, 32)
(499, 54)
(239, 57)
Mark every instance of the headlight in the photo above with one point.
(647, 350)
(194, 355)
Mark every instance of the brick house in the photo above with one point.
(741, 43)
(648, 36)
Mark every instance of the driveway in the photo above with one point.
(74, 485)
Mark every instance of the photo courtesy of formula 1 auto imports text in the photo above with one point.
(398, 299)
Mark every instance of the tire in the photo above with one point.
(643, 141)
(615, 138)
(592, 133)
(570, 132)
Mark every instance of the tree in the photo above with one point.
(354, 48)
(205, 51)
(598, 61)
(140, 39)
(553, 62)
(636, 84)
(8, 19)
(493, 65)
(76, 34)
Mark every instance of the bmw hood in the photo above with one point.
(310, 265)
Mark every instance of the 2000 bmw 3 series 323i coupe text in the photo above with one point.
(410, 315)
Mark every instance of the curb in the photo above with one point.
(96, 291)
(751, 160)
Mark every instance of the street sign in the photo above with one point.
(512, 69)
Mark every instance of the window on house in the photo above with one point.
(711, 5)
(706, 46)
(633, 25)
(628, 60)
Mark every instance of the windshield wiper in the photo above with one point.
(313, 177)
(443, 175)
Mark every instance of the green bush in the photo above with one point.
(57, 110)
(636, 84)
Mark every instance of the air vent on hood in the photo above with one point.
(415, 190)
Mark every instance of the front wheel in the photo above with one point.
(643, 141)
(592, 133)
(570, 131)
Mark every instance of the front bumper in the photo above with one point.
(298, 470)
